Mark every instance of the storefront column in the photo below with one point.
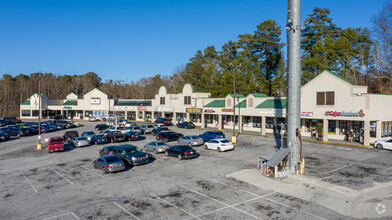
(162, 114)
(62, 112)
(325, 130)
(126, 115)
(203, 123)
(263, 125)
(174, 119)
(83, 116)
(366, 133)
(220, 122)
(378, 130)
(188, 116)
(143, 115)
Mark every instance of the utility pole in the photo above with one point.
(294, 81)
(233, 137)
(39, 145)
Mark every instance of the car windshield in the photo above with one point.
(161, 144)
(100, 136)
(225, 141)
(112, 159)
(132, 150)
(117, 132)
(136, 128)
(150, 126)
(89, 133)
(56, 141)
(186, 148)
(218, 133)
(195, 137)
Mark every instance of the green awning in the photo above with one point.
(241, 104)
(216, 104)
(133, 103)
(273, 103)
(71, 102)
(26, 102)
(237, 95)
(259, 95)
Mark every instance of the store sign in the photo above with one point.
(117, 108)
(227, 110)
(307, 114)
(194, 110)
(67, 107)
(141, 108)
(95, 101)
(168, 109)
(157, 109)
(209, 111)
(344, 114)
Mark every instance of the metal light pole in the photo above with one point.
(39, 145)
(294, 81)
(233, 138)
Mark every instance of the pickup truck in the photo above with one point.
(56, 144)
(120, 128)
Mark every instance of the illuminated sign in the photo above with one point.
(141, 108)
(95, 101)
(209, 111)
(194, 110)
(227, 110)
(307, 114)
(344, 114)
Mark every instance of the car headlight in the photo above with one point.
(133, 158)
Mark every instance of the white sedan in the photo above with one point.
(387, 144)
(220, 145)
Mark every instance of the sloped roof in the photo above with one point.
(26, 102)
(259, 95)
(133, 103)
(237, 95)
(216, 104)
(241, 104)
(71, 102)
(273, 103)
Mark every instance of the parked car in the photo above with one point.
(108, 150)
(160, 125)
(66, 124)
(33, 131)
(147, 129)
(11, 131)
(99, 139)
(25, 132)
(80, 142)
(192, 140)
(11, 120)
(69, 135)
(166, 121)
(129, 124)
(122, 129)
(56, 144)
(208, 135)
(131, 154)
(115, 136)
(220, 145)
(110, 163)
(156, 147)
(93, 119)
(88, 134)
(77, 124)
(383, 144)
(169, 136)
(186, 124)
(159, 129)
(132, 136)
(2, 123)
(101, 127)
(4, 136)
(136, 128)
(181, 152)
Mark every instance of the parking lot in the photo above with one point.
(64, 185)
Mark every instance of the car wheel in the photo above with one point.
(190, 145)
(180, 157)
(166, 140)
(167, 153)
(50, 151)
(95, 166)
(104, 170)
(155, 151)
(219, 150)
(379, 146)
(205, 146)
(145, 149)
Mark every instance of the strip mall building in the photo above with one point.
(330, 107)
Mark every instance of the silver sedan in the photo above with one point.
(193, 140)
(156, 147)
(80, 142)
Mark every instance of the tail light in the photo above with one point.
(109, 166)
(123, 164)
(223, 144)
(195, 151)
(159, 148)
(168, 146)
(132, 136)
(79, 142)
(114, 137)
(106, 139)
(186, 152)
(195, 141)
(160, 135)
(111, 153)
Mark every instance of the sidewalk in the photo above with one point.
(372, 202)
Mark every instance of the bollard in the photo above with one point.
(39, 146)
(233, 139)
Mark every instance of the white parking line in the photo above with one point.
(29, 183)
(339, 168)
(60, 174)
(216, 181)
(221, 202)
(271, 200)
(193, 216)
(68, 213)
(89, 169)
(129, 213)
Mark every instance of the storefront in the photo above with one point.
(195, 114)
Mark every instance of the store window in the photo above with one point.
(246, 120)
(269, 122)
(187, 100)
(325, 98)
(162, 100)
(332, 127)
(386, 129)
(257, 122)
(373, 129)
(35, 113)
(26, 113)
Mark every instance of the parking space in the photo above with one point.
(65, 185)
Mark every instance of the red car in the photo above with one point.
(56, 144)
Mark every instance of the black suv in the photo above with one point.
(101, 127)
(186, 124)
(169, 136)
(166, 121)
(131, 154)
(69, 135)
(11, 120)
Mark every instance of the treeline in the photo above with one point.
(256, 60)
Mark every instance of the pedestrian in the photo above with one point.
(351, 135)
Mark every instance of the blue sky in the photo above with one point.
(130, 39)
